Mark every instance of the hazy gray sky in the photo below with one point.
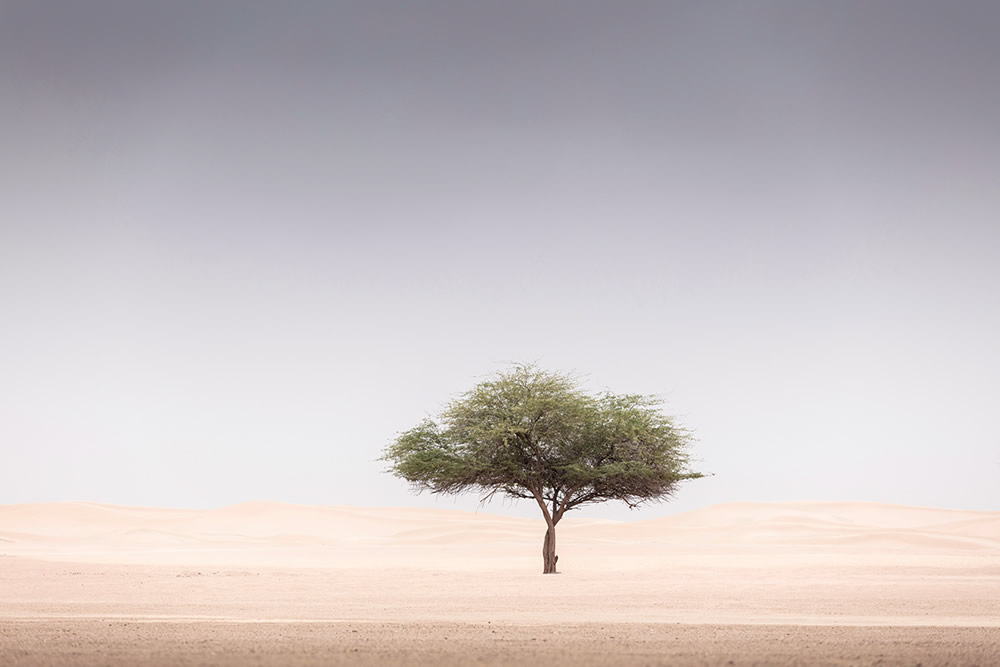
(243, 244)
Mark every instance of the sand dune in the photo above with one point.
(271, 533)
(137, 583)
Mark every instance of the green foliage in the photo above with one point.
(528, 433)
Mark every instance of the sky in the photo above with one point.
(245, 244)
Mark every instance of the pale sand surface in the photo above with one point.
(124, 643)
(266, 583)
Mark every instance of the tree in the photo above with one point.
(528, 433)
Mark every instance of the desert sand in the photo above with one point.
(270, 584)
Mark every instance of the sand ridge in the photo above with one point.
(86, 531)
(77, 578)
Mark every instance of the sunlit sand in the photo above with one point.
(270, 583)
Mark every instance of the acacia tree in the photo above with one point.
(528, 433)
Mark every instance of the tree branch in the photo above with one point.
(541, 503)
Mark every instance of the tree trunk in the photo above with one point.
(549, 556)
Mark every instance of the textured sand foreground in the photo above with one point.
(123, 643)
(265, 583)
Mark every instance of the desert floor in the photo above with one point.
(273, 584)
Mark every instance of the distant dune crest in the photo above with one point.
(280, 533)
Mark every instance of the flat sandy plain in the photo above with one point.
(275, 584)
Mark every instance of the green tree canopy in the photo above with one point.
(529, 433)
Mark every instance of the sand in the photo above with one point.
(269, 584)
